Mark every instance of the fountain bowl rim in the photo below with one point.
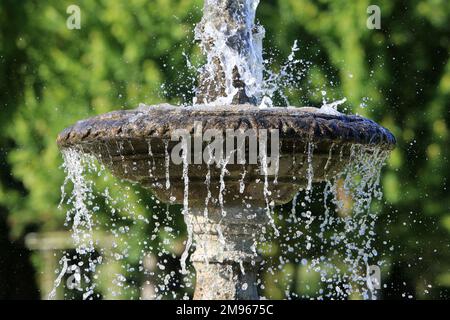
(160, 121)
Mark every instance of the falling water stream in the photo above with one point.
(336, 244)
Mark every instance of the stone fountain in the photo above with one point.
(227, 210)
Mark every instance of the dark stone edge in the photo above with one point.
(159, 121)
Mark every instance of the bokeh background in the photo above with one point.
(128, 52)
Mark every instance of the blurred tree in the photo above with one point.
(128, 52)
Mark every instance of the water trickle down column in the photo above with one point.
(225, 258)
(232, 44)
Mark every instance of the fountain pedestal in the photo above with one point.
(228, 34)
(225, 259)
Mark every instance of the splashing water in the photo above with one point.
(74, 164)
(266, 192)
(338, 244)
(241, 66)
(167, 161)
(227, 52)
(331, 108)
(80, 215)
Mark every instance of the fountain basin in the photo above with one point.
(230, 203)
(133, 144)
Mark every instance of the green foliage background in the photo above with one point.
(129, 52)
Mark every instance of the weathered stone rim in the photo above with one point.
(159, 121)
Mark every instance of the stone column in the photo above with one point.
(225, 258)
